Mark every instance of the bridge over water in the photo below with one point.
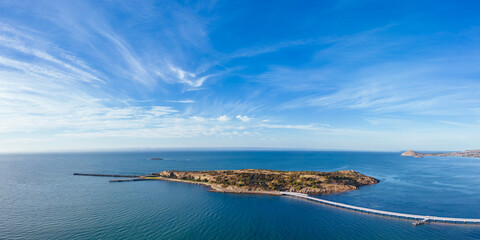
(386, 213)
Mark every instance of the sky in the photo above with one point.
(332, 75)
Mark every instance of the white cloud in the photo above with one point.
(160, 111)
(223, 118)
(288, 126)
(188, 78)
(196, 118)
(243, 118)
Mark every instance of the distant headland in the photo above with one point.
(468, 153)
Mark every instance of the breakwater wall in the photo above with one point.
(106, 175)
(128, 180)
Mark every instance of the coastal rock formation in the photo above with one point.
(468, 153)
(271, 181)
(411, 153)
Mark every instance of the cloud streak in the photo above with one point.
(182, 101)
(416, 88)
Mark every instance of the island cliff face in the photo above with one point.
(468, 153)
(271, 181)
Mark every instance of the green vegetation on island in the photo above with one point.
(271, 181)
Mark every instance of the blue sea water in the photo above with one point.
(41, 199)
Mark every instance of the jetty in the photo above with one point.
(421, 219)
(106, 175)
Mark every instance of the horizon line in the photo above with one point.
(107, 150)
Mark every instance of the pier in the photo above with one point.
(420, 218)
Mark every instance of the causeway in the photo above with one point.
(386, 213)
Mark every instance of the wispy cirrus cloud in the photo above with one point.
(182, 101)
(37, 81)
(169, 72)
(420, 88)
(123, 56)
(187, 78)
(18, 43)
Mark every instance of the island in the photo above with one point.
(156, 158)
(269, 181)
(297, 184)
(468, 153)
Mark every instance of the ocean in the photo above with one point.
(41, 199)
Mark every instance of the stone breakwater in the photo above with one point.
(106, 175)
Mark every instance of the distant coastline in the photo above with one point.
(468, 153)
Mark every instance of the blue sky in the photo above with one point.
(360, 75)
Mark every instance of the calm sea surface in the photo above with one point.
(41, 199)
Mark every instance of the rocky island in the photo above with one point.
(269, 181)
(468, 153)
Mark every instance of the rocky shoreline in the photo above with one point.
(214, 188)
